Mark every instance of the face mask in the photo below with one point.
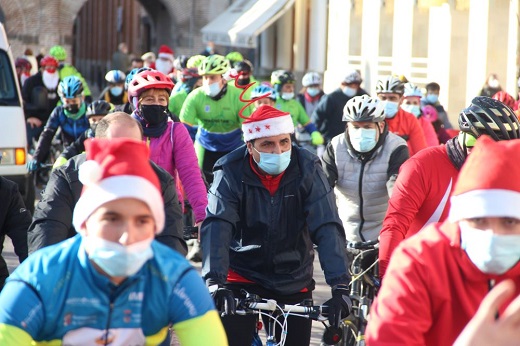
(432, 98)
(243, 81)
(313, 91)
(154, 114)
(50, 80)
(350, 92)
(273, 164)
(116, 91)
(287, 96)
(209, 49)
(491, 253)
(414, 109)
(117, 260)
(362, 140)
(494, 83)
(391, 109)
(212, 89)
(72, 108)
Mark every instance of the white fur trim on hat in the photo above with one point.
(116, 187)
(485, 203)
(165, 56)
(268, 127)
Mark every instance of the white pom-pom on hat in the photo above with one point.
(90, 173)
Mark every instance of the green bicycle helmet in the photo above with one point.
(234, 57)
(195, 61)
(214, 65)
(58, 52)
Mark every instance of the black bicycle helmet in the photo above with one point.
(98, 107)
(180, 62)
(243, 66)
(487, 116)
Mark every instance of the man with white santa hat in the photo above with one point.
(112, 283)
(165, 58)
(269, 202)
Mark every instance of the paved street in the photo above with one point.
(321, 294)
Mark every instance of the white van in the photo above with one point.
(13, 137)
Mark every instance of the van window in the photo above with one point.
(8, 91)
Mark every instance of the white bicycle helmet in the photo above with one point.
(412, 90)
(353, 77)
(389, 85)
(364, 108)
(115, 77)
(311, 78)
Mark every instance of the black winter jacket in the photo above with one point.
(269, 240)
(14, 221)
(32, 110)
(52, 221)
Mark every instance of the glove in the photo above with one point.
(33, 165)
(224, 299)
(339, 305)
(316, 138)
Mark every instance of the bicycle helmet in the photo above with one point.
(214, 65)
(389, 85)
(411, 90)
(149, 80)
(243, 66)
(263, 90)
(311, 78)
(115, 77)
(180, 62)
(49, 61)
(70, 87)
(99, 107)
(195, 61)
(364, 108)
(189, 73)
(58, 52)
(505, 98)
(234, 57)
(353, 77)
(132, 74)
(487, 116)
(430, 113)
(22, 63)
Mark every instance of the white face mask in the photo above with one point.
(494, 83)
(287, 96)
(212, 89)
(491, 253)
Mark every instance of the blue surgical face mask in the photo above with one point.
(350, 92)
(212, 89)
(491, 253)
(414, 109)
(273, 164)
(432, 98)
(118, 260)
(391, 109)
(287, 96)
(116, 91)
(362, 140)
(313, 91)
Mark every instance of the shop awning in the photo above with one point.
(243, 21)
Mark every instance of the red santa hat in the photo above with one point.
(117, 168)
(165, 52)
(487, 185)
(267, 121)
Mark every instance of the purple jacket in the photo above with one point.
(174, 152)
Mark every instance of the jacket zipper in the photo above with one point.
(361, 217)
(491, 284)
(111, 308)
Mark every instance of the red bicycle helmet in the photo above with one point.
(49, 61)
(149, 80)
(505, 98)
(430, 113)
(22, 63)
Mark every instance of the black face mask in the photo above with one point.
(73, 108)
(243, 81)
(154, 114)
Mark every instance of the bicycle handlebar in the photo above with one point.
(363, 245)
(315, 312)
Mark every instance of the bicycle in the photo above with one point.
(254, 304)
(364, 287)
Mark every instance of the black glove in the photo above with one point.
(224, 299)
(339, 305)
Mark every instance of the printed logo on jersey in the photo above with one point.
(135, 296)
(105, 339)
(206, 109)
(67, 319)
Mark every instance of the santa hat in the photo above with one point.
(117, 168)
(165, 52)
(267, 121)
(487, 185)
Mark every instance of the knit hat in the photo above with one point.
(117, 168)
(487, 185)
(267, 121)
(165, 52)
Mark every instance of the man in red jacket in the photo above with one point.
(425, 181)
(437, 279)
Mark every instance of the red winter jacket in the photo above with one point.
(406, 125)
(430, 292)
(420, 197)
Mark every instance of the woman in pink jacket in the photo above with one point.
(411, 103)
(170, 143)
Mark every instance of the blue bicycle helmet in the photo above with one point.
(262, 90)
(70, 87)
(132, 74)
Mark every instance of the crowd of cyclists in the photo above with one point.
(268, 175)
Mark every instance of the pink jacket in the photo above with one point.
(174, 152)
(429, 132)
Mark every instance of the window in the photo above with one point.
(8, 91)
